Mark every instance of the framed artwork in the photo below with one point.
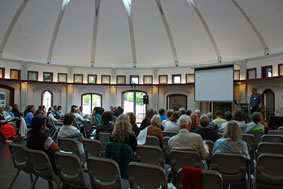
(280, 70)
(266, 71)
(251, 73)
(236, 74)
(134, 79)
(105, 79)
(62, 77)
(2, 73)
(48, 76)
(15, 74)
(147, 79)
(121, 79)
(163, 79)
(92, 79)
(78, 78)
(176, 79)
(2, 99)
(190, 78)
(32, 76)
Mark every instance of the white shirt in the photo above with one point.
(171, 126)
(51, 116)
(77, 115)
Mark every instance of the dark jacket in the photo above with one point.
(207, 134)
(104, 128)
(144, 124)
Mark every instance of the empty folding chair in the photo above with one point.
(152, 140)
(168, 134)
(257, 136)
(20, 160)
(272, 138)
(93, 148)
(69, 145)
(104, 173)
(276, 132)
(104, 138)
(210, 179)
(210, 144)
(233, 167)
(146, 176)
(280, 128)
(70, 170)
(269, 170)
(150, 155)
(271, 148)
(41, 167)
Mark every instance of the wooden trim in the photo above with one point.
(151, 79)
(81, 75)
(163, 76)
(264, 92)
(131, 76)
(247, 74)
(238, 73)
(121, 77)
(19, 74)
(58, 76)
(51, 97)
(3, 73)
(50, 74)
(264, 67)
(91, 75)
(187, 77)
(279, 73)
(106, 76)
(12, 93)
(174, 75)
(35, 73)
(91, 108)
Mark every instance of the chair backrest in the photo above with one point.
(168, 134)
(165, 147)
(275, 132)
(272, 138)
(68, 145)
(19, 157)
(257, 135)
(93, 148)
(152, 140)
(269, 147)
(250, 140)
(210, 179)
(232, 166)
(104, 138)
(146, 176)
(50, 123)
(70, 170)
(40, 164)
(269, 169)
(220, 135)
(280, 128)
(150, 155)
(104, 173)
(210, 144)
(180, 158)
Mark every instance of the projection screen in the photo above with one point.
(214, 83)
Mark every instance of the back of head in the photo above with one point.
(232, 130)
(36, 124)
(107, 117)
(197, 111)
(204, 120)
(183, 112)
(132, 117)
(184, 121)
(162, 111)
(228, 116)
(155, 120)
(149, 113)
(169, 113)
(122, 128)
(256, 117)
(210, 116)
(219, 113)
(239, 116)
(69, 119)
(175, 116)
(73, 108)
(188, 112)
(194, 118)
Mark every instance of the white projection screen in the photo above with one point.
(214, 83)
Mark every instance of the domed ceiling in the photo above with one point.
(141, 33)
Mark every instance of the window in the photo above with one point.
(132, 101)
(47, 76)
(15, 74)
(163, 79)
(92, 79)
(32, 76)
(280, 70)
(251, 73)
(121, 79)
(236, 74)
(190, 78)
(176, 79)
(134, 79)
(78, 78)
(147, 79)
(62, 77)
(2, 73)
(266, 71)
(47, 99)
(89, 101)
(105, 79)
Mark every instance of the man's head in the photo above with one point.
(204, 120)
(254, 91)
(162, 111)
(184, 122)
(256, 117)
(219, 114)
(197, 111)
(16, 106)
(69, 119)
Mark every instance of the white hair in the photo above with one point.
(184, 120)
(197, 111)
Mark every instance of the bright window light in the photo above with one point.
(65, 3)
(127, 4)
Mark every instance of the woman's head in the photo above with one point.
(155, 120)
(149, 113)
(132, 117)
(204, 120)
(232, 130)
(169, 113)
(69, 119)
(107, 117)
(228, 116)
(239, 116)
(122, 128)
(38, 124)
(256, 117)
(194, 118)
(175, 116)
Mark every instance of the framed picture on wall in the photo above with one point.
(121, 79)
(236, 74)
(163, 79)
(62, 77)
(134, 79)
(251, 73)
(15, 74)
(32, 76)
(48, 76)
(78, 78)
(92, 79)
(147, 79)
(2, 73)
(190, 78)
(280, 69)
(105, 79)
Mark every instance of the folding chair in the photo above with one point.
(165, 148)
(272, 138)
(152, 140)
(104, 138)
(168, 134)
(276, 132)
(93, 148)
(150, 155)
(257, 136)
(210, 144)
(54, 129)
(270, 148)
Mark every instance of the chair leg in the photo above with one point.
(50, 185)
(14, 179)
(33, 184)
(31, 178)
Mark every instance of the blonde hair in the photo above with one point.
(232, 130)
(155, 120)
(122, 128)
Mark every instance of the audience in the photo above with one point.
(154, 128)
(186, 140)
(162, 112)
(7, 130)
(171, 125)
(10, 112)
(197, 111)
(106, 125)
(135, 128)
(195, 123)
(211, 124)
(17, 111)
(219, 118)
(227, 117)
(39, 111)
(123, 132)
(76, 112)
(239, 118)
(50, 114)
(256, 124)
(205, 132)
(146, 121)
(58, 113)
(168, 114)
(232, 141)
(188, 112)
(29, 114)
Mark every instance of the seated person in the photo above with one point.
(106, 126)
(186, 140)
(205, 132)
(240, 119)
(227, 117)
(9, 110)
(195, 122)
(212, 125)
(162, 112)
(7, 130)
(146, 121)
(168, 115)
(50, 114)
(123, 132)
(70, 131)
(171, 125)
(77, 114)
(40, 140)
(29, 114)
(17, 111)
(256, 124)
(135, 128)
(219, 118)
(58, 113)
(231, 141)
(154, 128)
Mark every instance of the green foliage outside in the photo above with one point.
(129, 96)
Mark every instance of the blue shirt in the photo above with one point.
(255, 100)
(28, 119)
(11, 114)
(163, 117)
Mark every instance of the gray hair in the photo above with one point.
(197, 111)
(210, 116)
(204, 120)
(156, 120)
(256, 117)
(184, 120)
